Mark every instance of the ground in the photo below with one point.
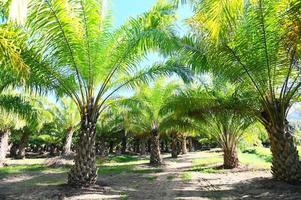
(196, 175)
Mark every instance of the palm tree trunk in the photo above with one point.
(68, 142)
(190, 144)
(184, 145)
(111, 147)
(155, 157)
(285, 164)
(123, 143)
(174, 147)
(22, 145)
(4, 137)
(230, 158)
(142, 147)
(14, 150)
(84, 171)
(166, 150)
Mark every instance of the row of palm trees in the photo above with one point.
(250, 49)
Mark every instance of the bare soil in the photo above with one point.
(170, 183)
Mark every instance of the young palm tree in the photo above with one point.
(175, 125)
(110, 125)
(40, 116)
(218, 112)
(67, 118)
(15, 112)
(227, 129)
(148, 104)
(74, 50)
(256, 44)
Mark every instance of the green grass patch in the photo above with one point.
(207, 164)
(207, 170)
(18, 169)
(123, 164)
(205, 161)
(186, 176)
(123, 159)
(124, 196)
(171, 177)
(212, 164)
(147, 171)
(151, 178)
(261, 152)
(115, 169)
(254, 160)
(14, 169)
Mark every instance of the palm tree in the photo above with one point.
(148, 104)
(67, 118)
(227, 129)
(256, 44)
(73, 49)
(112, 125)
(15, 112)
(217, 111)
(175, 126)
(32, 124)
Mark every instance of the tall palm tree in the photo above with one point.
(74, 50)
(256, 44)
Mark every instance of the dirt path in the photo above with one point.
(175, 181)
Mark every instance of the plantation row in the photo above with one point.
(72, 82)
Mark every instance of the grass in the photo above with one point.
(20, 169)
(171, 177)
(261, 152)
(207, 164)
(115, 169)
(186, 176)
(124, 164)
(254, 160)
(151, 178)
(211, 162)
(131, 168)
(124, 196)
(110, 165)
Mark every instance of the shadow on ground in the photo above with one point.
(173, 181)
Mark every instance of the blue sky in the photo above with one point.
(124, 9)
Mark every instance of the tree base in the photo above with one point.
(230, 159)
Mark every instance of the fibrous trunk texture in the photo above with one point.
(166, 146)
(111, 147)
(174, 147)
(13, 150)
(123, 143)
(155, 157)
(230, 158)
(84, 171)
(184, 145)
(22, 145)
(68, 142)
(190, 144)
(4, 137)
(142, 147)
(285, 164)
